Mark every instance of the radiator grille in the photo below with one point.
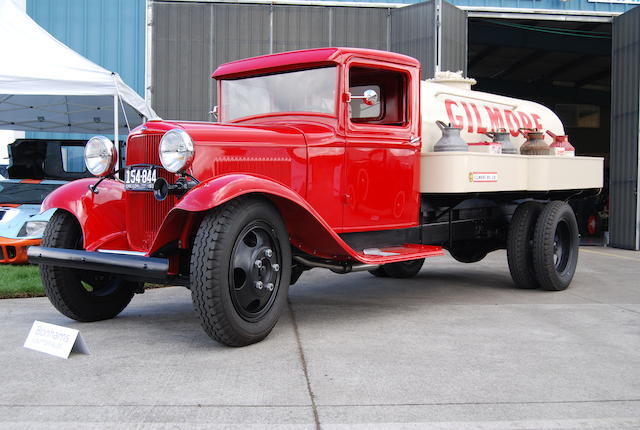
(144, 214)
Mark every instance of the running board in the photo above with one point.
(393, 254)
(122, 264)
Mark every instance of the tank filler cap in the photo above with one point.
(453, 79)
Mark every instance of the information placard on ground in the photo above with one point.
(55, 340)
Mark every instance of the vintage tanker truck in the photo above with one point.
(321, 158)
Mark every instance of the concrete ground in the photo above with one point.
(456, 348)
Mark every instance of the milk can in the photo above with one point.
(535, 144)
(501, 136)
(450, 140)
(561, 145)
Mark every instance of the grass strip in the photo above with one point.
(20, 281)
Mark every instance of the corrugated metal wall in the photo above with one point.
(190, 39)
(413, 33)
(110, 33)
(204, 35)
(624, 209)
(454, 38)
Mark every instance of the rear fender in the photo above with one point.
(101, 216)
(307, 230)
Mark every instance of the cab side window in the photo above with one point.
(390, 108)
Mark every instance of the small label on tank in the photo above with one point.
(483, 176)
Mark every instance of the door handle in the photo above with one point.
(415, 141)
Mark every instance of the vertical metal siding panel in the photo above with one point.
(413, 33)
(625, 131)
(109, 33)
(300, 27)
(239, 31)
(454, 38)
(181, 67)
(360, 27)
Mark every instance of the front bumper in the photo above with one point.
(14, 251)
(140, 267)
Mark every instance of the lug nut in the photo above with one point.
(275, 267)
(269, 286)
(260, 285)
(268, 252)
(258, 264)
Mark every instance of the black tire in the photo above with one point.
(403, 269)
(81, 295)
(379, 272)
(555, 246)
(520, 244)
(230, 241)
(469, 252)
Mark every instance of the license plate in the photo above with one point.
(139, 178)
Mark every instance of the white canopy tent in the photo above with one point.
(46, 86)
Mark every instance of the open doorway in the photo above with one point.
(565, 66)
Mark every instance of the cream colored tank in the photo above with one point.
(449, 98)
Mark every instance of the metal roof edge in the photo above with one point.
(296, 3)
(548, 14)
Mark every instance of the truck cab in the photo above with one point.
(318, 160)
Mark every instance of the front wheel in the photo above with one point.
(240, 271)
(82, 295)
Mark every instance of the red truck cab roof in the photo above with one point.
(303, 59)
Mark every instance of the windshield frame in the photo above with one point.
(223, 118)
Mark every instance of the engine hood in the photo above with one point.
(221, 134)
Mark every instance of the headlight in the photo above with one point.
(100, 156)
(176, 150)
(32, 228)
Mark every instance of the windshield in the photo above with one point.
(312, 90)
(25, 193)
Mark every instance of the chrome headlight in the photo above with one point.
(32, 228)
(176, 150)
(100, 156)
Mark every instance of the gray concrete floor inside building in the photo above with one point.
(456, 348)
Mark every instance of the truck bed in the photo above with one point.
(470, 172)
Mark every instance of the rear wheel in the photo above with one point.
(240, 271)
(520, 244)
(401, 269)
(555, 246)
(82, 295)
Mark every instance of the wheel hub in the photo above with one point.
(255, 271)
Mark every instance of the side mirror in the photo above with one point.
(369, 97)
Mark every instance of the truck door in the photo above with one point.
(382, 157)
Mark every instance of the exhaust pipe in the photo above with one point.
(336, 268)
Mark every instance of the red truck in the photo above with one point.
(318, 160)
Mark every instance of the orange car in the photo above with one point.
(20, 224)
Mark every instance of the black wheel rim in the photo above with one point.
(99, 284)
(561, 247)
(96, 284)
(254, 271)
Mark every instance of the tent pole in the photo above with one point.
(116, 116)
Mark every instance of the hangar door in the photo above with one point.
(624, 202)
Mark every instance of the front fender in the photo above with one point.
(101, 216)
(307, 230)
